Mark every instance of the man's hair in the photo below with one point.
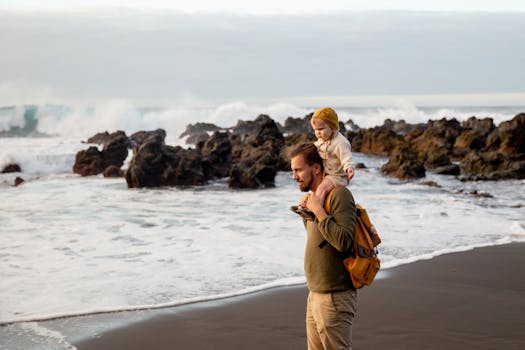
(309, 153)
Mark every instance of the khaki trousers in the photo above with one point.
(329, 318)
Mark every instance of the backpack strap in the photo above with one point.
(328, 200)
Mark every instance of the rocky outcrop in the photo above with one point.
(156, 164)
(379, 140)
(298, 126)
(251, 152)
(474, 149)
(248, 155)
(404, 163)
(256, 148)
(199, 132)
(138, 138)
(492, 165)
(88, 162)
(473, 136)
(512, 136)
(100, 138)
(216, 155)
(114, 153)
(433, 144)
(113, 171)
(11, 168)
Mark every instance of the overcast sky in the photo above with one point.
(274, 6)
(237, 51)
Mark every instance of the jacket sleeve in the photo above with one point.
(344, 153)
(338, 227)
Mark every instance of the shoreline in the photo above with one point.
(245, 292)
(468, 299)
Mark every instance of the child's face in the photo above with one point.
(322, 129)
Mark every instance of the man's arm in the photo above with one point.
(337, 227)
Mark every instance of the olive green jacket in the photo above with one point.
(328, 242)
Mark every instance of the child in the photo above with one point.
(336, 152)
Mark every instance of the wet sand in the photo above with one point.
(466, 300)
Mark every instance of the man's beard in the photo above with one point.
(305, 186)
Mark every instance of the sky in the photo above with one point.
(273, 6)
(158, 51)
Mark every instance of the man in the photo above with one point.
(332, 300)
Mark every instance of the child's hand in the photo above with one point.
(350, 173)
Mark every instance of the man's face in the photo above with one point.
(302, 173)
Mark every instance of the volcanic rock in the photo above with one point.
(156, 164)
(404, 164)
(256, 150)
(11, 168)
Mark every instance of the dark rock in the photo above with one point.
(378, 140)
(430, 183)
(512, 135)
(113, 171)
(485, 125)
(19, 181)
(93, 162)
(11, 168)
(473, 136)
(404, 164)
(196, 138)
(198, 132)
(115, 151)
(100, 138)
(256, 148)
(342, 128)
(296, 139)
(400, 127)
(294, 126)
(493, 141)
(469, 140)
(89, 162)
(156, 164)
(216, 155)
(451, 169)
(138, 138)
(200, 127)
(360, 166)
(437, 159)
(433, 143)
(257, 168)
(492, 166)
(352, 127)
(481, 194)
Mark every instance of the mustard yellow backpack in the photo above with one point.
(362, 262)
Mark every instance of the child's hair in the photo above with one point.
(327, 115)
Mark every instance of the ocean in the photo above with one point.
(72, 245)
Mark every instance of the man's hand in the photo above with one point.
(314, 204)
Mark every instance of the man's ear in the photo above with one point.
(317, 168)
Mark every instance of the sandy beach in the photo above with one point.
(466, 300)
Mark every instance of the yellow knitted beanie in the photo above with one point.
(328, 115)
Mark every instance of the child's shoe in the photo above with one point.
(303, 212)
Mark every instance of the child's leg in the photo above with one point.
(324, 188)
